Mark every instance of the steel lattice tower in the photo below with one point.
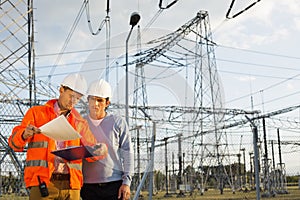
(209, 145)
(208, 93)
(17, 76)
(17, 49)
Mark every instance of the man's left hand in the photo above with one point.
(124, 192)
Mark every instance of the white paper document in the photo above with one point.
(59, 129)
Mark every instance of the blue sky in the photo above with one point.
(257, 52)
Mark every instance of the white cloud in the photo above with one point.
(290, 86)
(297, 23)
(290, 7)
(246, 78)
(261, 25)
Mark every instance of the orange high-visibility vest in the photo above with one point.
(39, 159)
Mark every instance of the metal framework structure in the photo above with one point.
(206, 90)
(201, 123)
(17, 58)
(19, 89)
(204, 121)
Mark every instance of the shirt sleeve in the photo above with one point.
(126, 180)
(15, 140)
(126, 152)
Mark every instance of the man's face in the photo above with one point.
(97, 106)
(68, 98)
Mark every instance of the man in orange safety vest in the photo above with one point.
(48, 176)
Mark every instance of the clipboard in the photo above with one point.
(75, 153)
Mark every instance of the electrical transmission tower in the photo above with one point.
(17, 65)
(17, 77)
(19, 88)
(200, 63)
(207, 92)
(17, 50)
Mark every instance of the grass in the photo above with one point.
(293, 194)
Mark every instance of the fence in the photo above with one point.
(183, 168)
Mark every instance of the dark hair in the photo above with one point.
(66, 87)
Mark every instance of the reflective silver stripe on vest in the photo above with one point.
(36, 163)
(42, 144)
(75, 166)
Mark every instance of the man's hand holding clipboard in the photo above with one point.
(101, 150)
(98, 152)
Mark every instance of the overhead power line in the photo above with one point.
(75, 23)
(240, 12)
(168, 5)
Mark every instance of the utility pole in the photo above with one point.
(251, 170)
(266, 163)
(166, 168)
(180, 165)
(282, 177)
(244, 168)
(256, 157)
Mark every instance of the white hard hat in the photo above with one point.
(75, 82)
(100, 88)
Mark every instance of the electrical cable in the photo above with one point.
(102, 23)
(167, 6)
(74, 25)
(240, 12)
